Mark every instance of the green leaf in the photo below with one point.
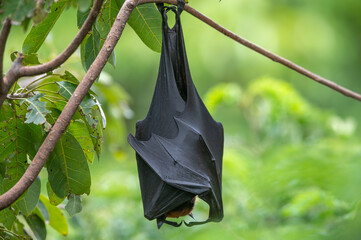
(67, 167)
(31, 198)
(90, 113)
(37, 225)
(17, 10)
(25, 24)
(53, 199)
(90, 49)
(69, 77)
(14, 145)
(57, 219)
(38, 34)
(74, 205)
(104, 23)
(29, 59)
(107, 17)
(86, 106)
(81, 17)
(146, 22)
(37, 111)
(80, 131)
(7, 218)
(6, 111)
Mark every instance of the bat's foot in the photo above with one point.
(162, 220)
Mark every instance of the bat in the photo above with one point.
(179, 147)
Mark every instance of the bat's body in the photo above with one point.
(183, 210)
(179, 146)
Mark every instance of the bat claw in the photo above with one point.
(191, 215)
(161, 221)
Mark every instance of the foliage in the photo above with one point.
(37, 103)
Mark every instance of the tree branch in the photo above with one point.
(260, 50)
(65, 117)
(16, 72)
(51, 65)
(3, 37)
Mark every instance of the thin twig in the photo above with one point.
(51, 65)
(3, 37)
(264, 52)
(70, 108)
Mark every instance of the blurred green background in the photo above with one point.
(292, 160)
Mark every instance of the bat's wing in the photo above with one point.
(179, 146)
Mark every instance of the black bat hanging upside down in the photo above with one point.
(179, 147)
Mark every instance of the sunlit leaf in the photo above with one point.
(67, 167)
(57, 219)
(38, 34)
(31, 198)
(146, 22)
(74, 205)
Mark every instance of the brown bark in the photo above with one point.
(3, 37)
